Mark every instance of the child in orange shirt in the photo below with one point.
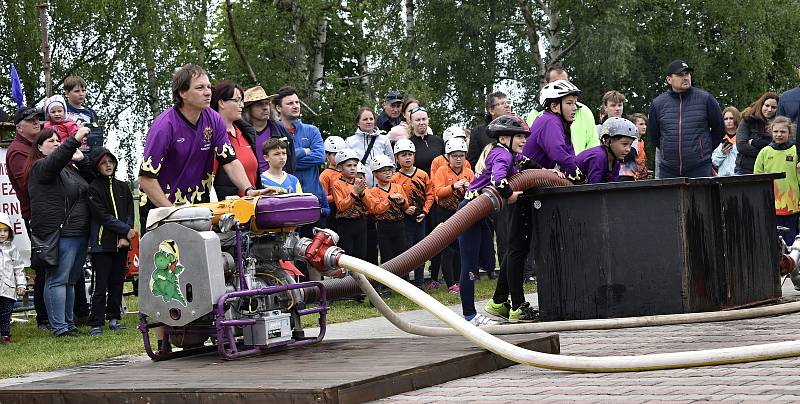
(352, 206)
(450, 183)
(388, 205)
(418, 189)
(441, 160)
(333, 144)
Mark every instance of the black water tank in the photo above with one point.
(655, 247)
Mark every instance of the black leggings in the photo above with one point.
(353, 237)
(515, 219)
(108, 274)
(391, 239)
(451, 257)
(6, 308)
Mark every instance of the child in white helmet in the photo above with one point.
(387, 204)
(349, 197)
(602, 163)
(333, 144)
(12, 277)
(418, 189)
(450, 183)
(441, 160)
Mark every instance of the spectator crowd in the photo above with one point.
(383, 187)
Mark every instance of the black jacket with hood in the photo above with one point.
(111, 206)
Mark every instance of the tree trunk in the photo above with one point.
(319, 58)
(236, 44)
(48, 80)
(411, 32)
(532, 32)
(202, 23)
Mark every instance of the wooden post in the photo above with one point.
(48, 82)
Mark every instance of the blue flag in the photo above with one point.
(16, 88)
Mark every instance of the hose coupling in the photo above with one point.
(494, 197)
(322, 253)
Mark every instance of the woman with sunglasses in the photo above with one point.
(227, 98)
(428, 145)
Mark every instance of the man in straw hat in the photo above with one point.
(258, 112)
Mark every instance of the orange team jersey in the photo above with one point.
(327, 177)
(441, 161)
(348, 205)
(445, 177)
(382, 207)
(417, 187)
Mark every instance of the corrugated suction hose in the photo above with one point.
(444, 234)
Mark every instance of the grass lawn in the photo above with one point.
(35, 350)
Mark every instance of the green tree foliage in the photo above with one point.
(461, 50)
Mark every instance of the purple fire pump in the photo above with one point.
(224, 279)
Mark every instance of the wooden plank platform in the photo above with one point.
(336, 371)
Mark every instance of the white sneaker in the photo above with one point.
(480, 320)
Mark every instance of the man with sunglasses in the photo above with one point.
(497, 105)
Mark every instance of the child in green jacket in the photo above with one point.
(781, 157)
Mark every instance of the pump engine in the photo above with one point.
(223, 271)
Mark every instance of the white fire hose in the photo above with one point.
(483, 338)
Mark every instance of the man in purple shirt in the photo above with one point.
(601, 163)
(550, 143)
(181, 145)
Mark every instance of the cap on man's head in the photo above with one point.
(394, 96)
(677, 66)
(254, 94)
(26, 114)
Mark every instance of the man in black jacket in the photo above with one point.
(390, 117)
(685, 124)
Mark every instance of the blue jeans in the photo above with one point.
(59, 288)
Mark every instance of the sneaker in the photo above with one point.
(497, 309)
(524, 314)
(5, 339)
(95, 331)
(433, 285)
(69, 333)
(480, 320)
(117, 327)
(454, 289)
